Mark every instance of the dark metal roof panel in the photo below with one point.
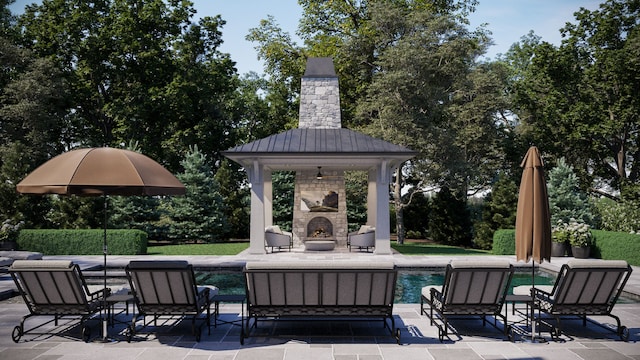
(310, 141)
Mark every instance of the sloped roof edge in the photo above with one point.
(319, 141)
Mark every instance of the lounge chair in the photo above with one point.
(364, 238)
(276, 238)
(471, 288)
(584, 288)
(168, 289)
(54, 288)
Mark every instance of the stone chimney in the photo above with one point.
(319, 109)
(320, 96)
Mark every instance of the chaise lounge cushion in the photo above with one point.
(318, 265)
(20, 255)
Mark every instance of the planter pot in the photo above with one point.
(581, 252)
(559, 249)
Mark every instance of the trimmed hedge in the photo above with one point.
(83, 242)
(608, 245)
(616, 245)
(504, 242)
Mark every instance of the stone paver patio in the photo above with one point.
(322, 339)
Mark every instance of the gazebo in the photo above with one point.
(320, 144)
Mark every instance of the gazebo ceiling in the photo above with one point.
(339, 149)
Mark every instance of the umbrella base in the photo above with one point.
(534, 339)
(105, 339)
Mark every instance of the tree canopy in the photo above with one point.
(116, 72)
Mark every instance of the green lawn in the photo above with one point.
(236, 247)
(199, 249)
(434, 249)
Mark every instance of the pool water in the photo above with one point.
(408, 286)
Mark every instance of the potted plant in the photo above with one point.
(9, 234)
(559, 239)
(580, 238)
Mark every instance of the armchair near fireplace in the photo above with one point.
(276, 238)
(364, 238)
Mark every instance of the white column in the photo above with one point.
(372, 198)
(256, 232)
(268, 198)
(383, 233)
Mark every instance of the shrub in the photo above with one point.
(504, 242)
(83, 242)
(623, 216)
(611, 245)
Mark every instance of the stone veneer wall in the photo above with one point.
(306, 181)
(320, 109)
(319, 103)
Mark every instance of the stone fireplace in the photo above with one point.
(306, 221)
(320, 109)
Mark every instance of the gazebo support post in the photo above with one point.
(383, 234)
(256, 231)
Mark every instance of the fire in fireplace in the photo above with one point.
(319, 227)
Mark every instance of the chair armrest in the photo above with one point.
(542, 292)
(436, 298)
(99, 294)
(203, 293)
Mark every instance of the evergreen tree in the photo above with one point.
(416, 214)
(136, 212)
(566, 201)
(499, 211)
(199, 214)
(237, 199)
(283, 187)
(449, 223)
(356, 188)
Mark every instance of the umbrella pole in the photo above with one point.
(533, 291)
(104, 267)
(534, 338)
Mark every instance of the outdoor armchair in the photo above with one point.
(364, 238)
(276, 238)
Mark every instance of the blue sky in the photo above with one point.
(508, 20)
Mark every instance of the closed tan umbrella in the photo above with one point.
(533, 218)
(101, 171)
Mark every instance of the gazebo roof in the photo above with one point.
(308, 148)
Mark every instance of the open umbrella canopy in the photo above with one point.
(533, 218)
(101, 171)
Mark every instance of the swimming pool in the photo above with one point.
(408, 287)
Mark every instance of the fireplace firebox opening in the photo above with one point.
(319, 227)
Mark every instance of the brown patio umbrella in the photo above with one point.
(101, 171)
(533, 219)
